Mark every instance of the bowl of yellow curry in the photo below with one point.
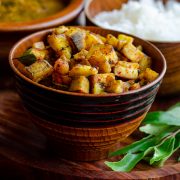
(86, 88)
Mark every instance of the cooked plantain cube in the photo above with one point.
(123, 40)
(102, 56)
(132, 53)
(78, 39)
(60, 44)
(135, 86)
(61, 79)
(99, 82)
(116, 86)
(32, 55)
(61, 66)
(82, 70)
(140, 48)
(112, 40)
(150, 75)
(127, 70)
(92, 39)
(60, 29)
(81, 55)
(144, 63)
(80, 84)
(39, 45)
(39, 70)
(100, 62)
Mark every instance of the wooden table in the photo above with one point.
(23, 153)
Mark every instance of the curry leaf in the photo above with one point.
(127, 163)
(163, 140)
(163, 150)
(170, 117)
(136, 146)
(153, 129)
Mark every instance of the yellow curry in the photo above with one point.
(26, 10)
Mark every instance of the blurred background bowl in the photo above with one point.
(171, 50)
(11, 32)
(61, 113)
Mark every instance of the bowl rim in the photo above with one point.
(23, 40)
(69, 12)
(86, 11)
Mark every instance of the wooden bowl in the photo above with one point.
(85, 144)
(171, 50)
(81, 112)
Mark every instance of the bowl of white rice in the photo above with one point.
(157, 21)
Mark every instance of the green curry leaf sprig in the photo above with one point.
(163, 129)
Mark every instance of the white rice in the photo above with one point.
(147, 19)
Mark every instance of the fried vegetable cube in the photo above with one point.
(91, 40)
(78, 39)
(127, 70)
(32, 55)
(61, 79)
(102, 56)
(99, 82)
(60, 44)
(80, 84)
(150, 75)
(135, 86)
(39, 70)
(112, 40)
(82, 70)
(61, 66)
(132, 53)
(116, 86)
(144, 63)
(39, 45)
(60, 29)
(123, 40)
(81, 55)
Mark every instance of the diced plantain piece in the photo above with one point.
(100, 81)
(144, 63)
(78, 39)
(39, 45)
(39, 70)
(123, 40)
(140, 48)
(61, 79)
(60, 30)
(91, 40)
(61, 66)
(112, 40)
(80, 84)
(150, 75)
(82, 70)
(103, 39)
(115, 86)
(81, 55)
(32, 55)
(102, 56)
(135, 86)
(132, 53)
(60, 44)
(127, 70)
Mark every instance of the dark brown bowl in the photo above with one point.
(171, 50)
(83, 113)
